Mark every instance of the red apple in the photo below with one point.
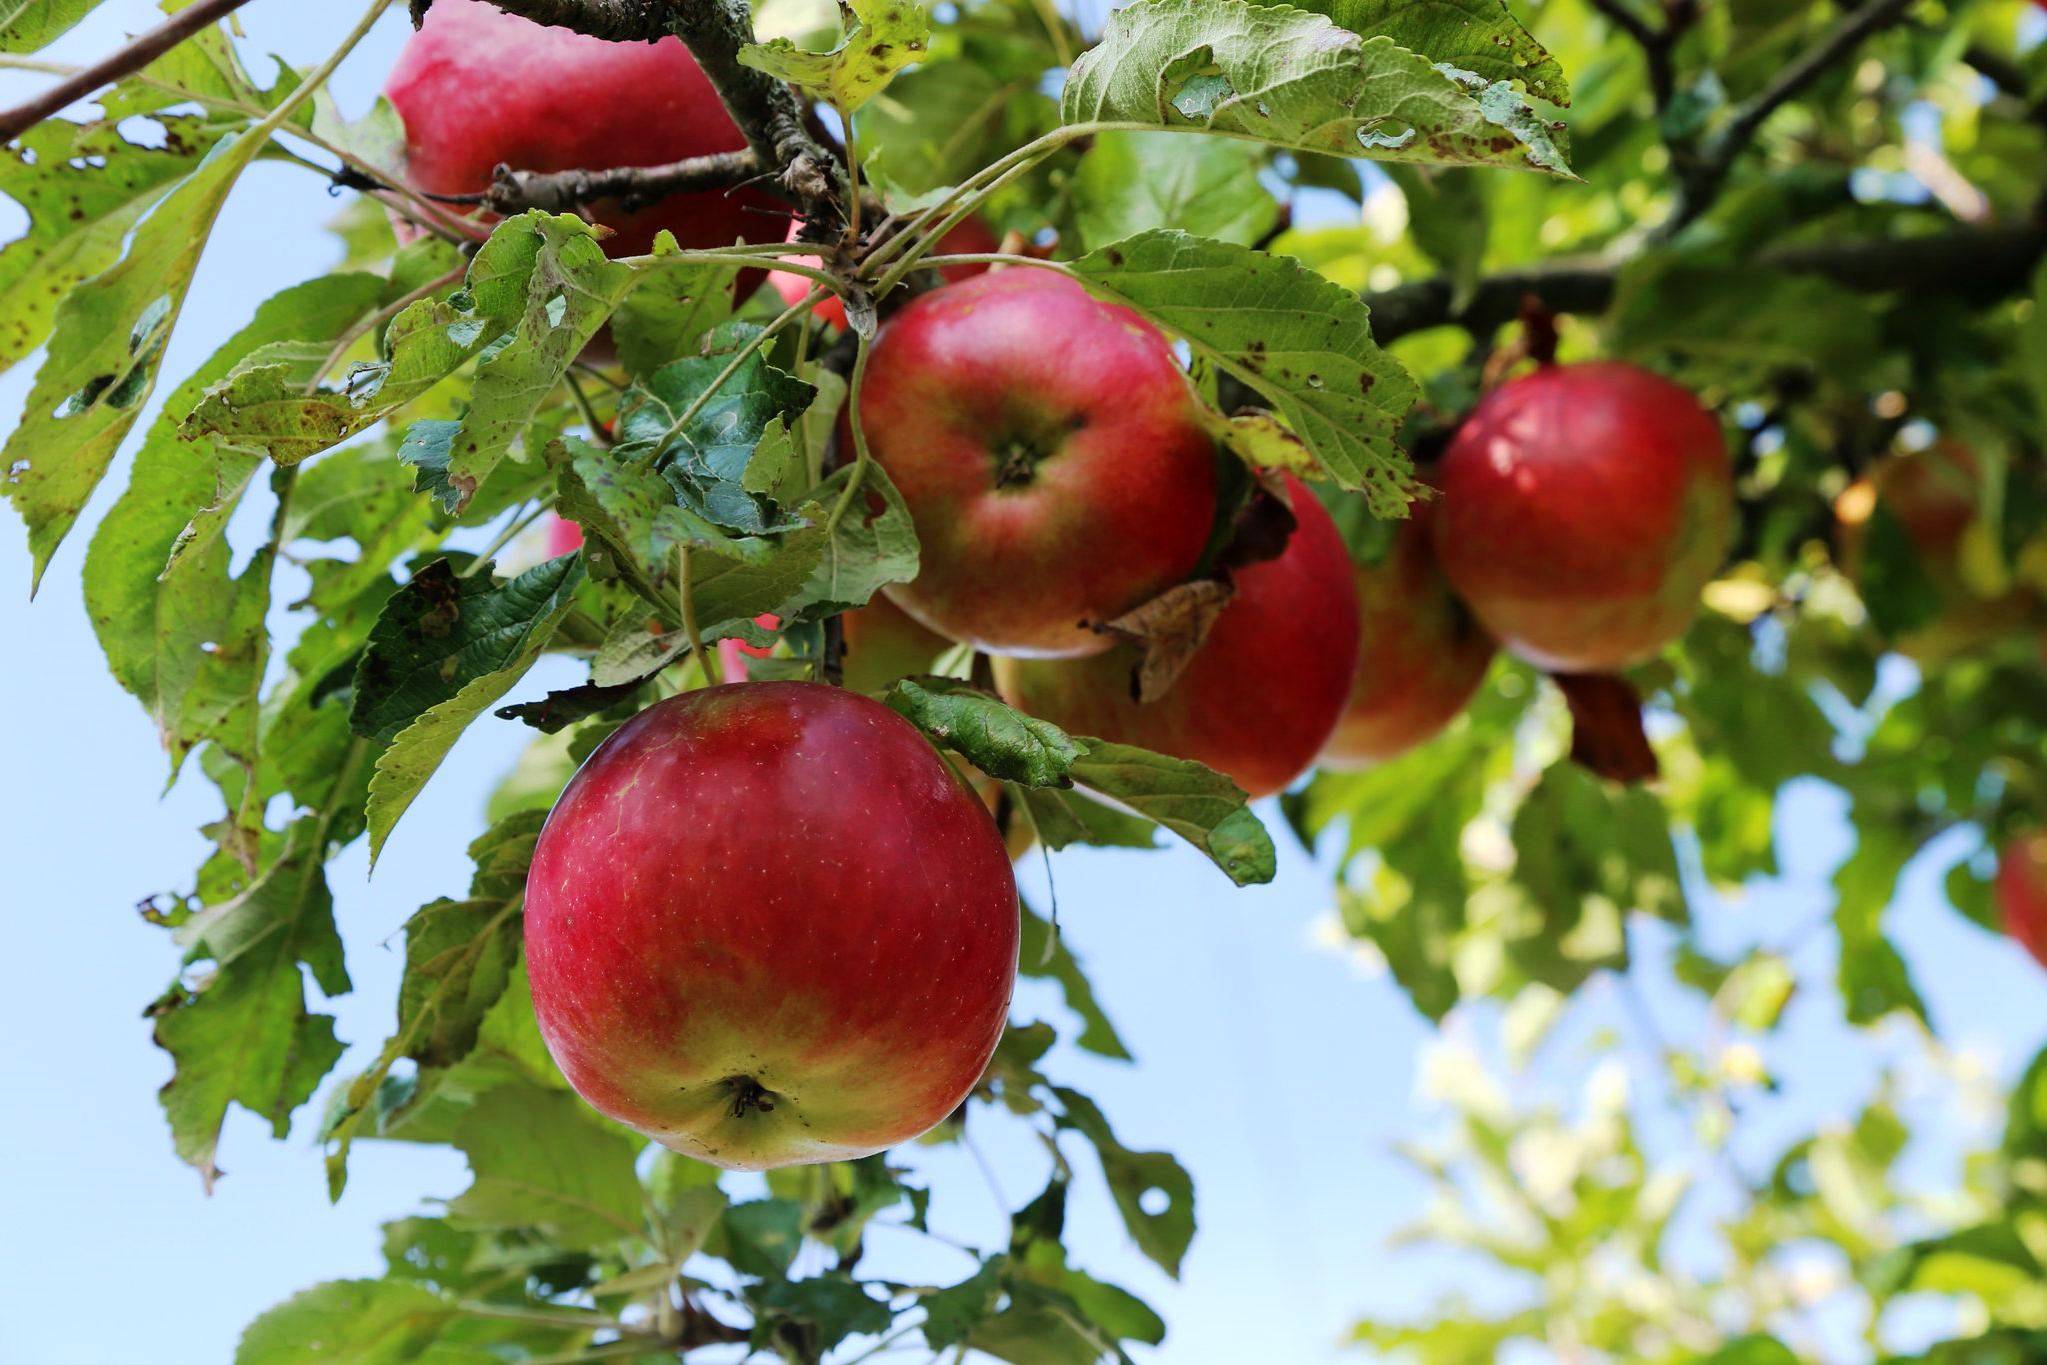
(564, 537)
(1050, 453)
(2022, 893)
(1421, 654)
(767, 925)
(1583, 508)
(478, 87)
(1265, 691)
(971, 238)
(1933, 493)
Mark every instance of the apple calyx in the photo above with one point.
(749, 1096)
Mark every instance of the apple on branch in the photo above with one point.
(767, 924)
(1584, 508)
(1050, 453)
(479, 88)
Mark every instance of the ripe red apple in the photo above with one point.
(1421, 654)
(1933, 494)
(478, 87)
(1261, 697)
(2022, 893)
(1050, 453)
(1583, 508)
(971, 238)
(767, 925)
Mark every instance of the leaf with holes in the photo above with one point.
(1302, 342)
(881, 38)
(1296, 80)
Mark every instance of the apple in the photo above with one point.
(564, 537)
(477, 88)
(2022, 893)
(971, 237)
(1263, 694)
(766, 925)
(1050, 453)
(1583, 509)
(1933, 494)
(1421, 653)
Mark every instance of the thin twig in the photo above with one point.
(139, 52)
(513, 191)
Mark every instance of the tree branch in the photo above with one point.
(618, 21)
(1657, 43)
(1975, 263)
(768, 111)
(1700, 182)
(512, 191)
(139, 52)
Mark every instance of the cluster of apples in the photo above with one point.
(768, 923)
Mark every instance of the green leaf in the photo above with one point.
(882, 37)
(1044, 953)
(873, 546)
(1064, 818)
(1577, 837)
(1756, 992)
(1201, 806)
(761, 1237)
(83, 190)
(458, 958)
(442, 631)
(1133, 182)
(832, 1307)
(349, 1322)
(951, 1314)
(1480, 36)
(707, 457)
(1874, 980)
(670, 312)
(1893, 581)
(270, 404)
(172, 635)
(243, 1035)
(28, 25)
(503, 629)
(1295, 80)
(1302, 342)
(104, 350)
(570, 293)
(541, 1160)
(637, 512)
(1000, 741)
(1137, 1179)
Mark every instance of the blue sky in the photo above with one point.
(1280, 1072)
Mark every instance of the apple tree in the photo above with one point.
(1530, 439)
